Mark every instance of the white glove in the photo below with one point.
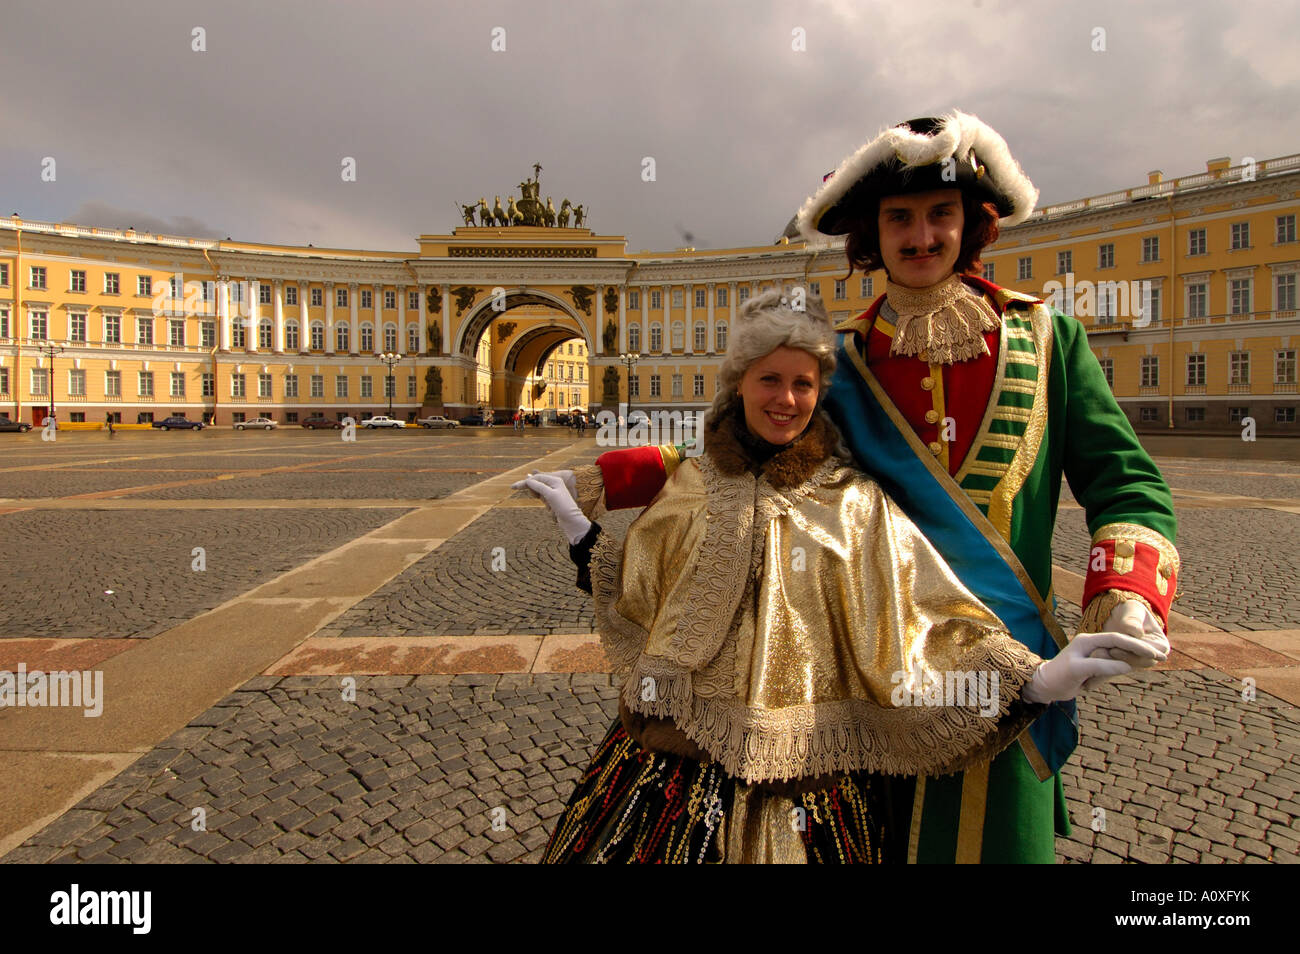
(570, 484)
(551, 488)
(1079, 666)
(1134, 619)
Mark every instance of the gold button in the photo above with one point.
(936, 448)
(927, 383)
(1166, 570)
(931, 416)
(1123, 548)
(924, 356)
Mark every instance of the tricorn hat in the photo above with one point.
(956, 151)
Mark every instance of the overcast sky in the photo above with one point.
(247, 139)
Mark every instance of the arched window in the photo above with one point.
(341, 336)
(656, 337)
(701, 336)
(367, 337)
(720, 334)
(318, 336)
(634, 337)
(412, 339)
(679, 331)
(291, 335)
(390, 337)
(264, 334)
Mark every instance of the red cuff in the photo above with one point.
(1137, 567)
(632, 476)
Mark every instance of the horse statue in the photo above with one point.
(499, 213)
(513, 215)
(565, 206)
(549, 215)
(484, 213)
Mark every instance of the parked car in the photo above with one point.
(437, 420)
(473, 420)
(265, 423)
(320, 420)
(178, 423)
(382, 420)
(21, 427)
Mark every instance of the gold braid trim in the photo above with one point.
(590, 483)
(846, 735)
(1103, 604)
(1140, 534)
(621, 638)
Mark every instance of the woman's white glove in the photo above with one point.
(1134, 619)
(566, 476)
(1081, 666)
(558, 495)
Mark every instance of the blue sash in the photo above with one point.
(887, 448)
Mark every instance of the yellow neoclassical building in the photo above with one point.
(1187, 286)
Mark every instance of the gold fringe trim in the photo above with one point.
(1103, 604)
(590, 484)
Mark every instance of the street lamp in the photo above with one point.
(390, 358)
(50, 349)
(630, 359)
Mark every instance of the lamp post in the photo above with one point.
(390, 358)
(50, 349)
(630, 359)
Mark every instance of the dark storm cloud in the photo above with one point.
(250, 135)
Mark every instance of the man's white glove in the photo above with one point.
(1081, 666)
(1134, 619)
(566, 476)
(556, 495)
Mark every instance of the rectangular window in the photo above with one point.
(634, 300)
(1151, 302)
(40, 325)
(814, 288)
(113, 384)
(742, 294)
(656, 299)
(144, 384)
(989, 272)
(317, 298)
(208, 334)
(677, 298)
(390, 299)
(341, 386)
(76, 327)
(841, 289)
(112, 283)
(1024, 268)
(264, 333)
(677, 385)
(209, 291)
(1284, 415)
(720, 297)
(317, 337)
(410, 386)
(1235, 414)
(1240, 235)
(1106, 255)
(1195, 415)
(367, 386)
(1195, 370)
(1196, 243)
(38, 381)
(176, 332)
(76, 383)
(701, 336)
(390, 386)
(1284, 367)
(318, 385)
(1196, 300)
(634, 386)
(291, 385)
(1285, 228)
(1151, 250)
(237, 386)
(1284, 293)
(1108, 369)
(699, 386)
(4, 380)
(38, 276)
(654, 385)
(78, 280)
(1064, 262)
(1240, 296)
(867, 288)
(264, 293)
(263, 385)
(291, 295)
(1149, 415)
(236, 291)
(144, 285)
(4, 273)
(208, 384)
(340, 298)
(4, 322)
(144, 330)
(178, 384)
(1151, 371)
(701, 299)
(1239, 367)
(413, 301)
(366, 298)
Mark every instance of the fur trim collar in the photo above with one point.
(790, 466)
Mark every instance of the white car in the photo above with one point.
(382, 420)
(265, 423)
(437, 420)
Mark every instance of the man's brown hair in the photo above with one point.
(979, 230)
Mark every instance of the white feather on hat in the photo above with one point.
(958, 133)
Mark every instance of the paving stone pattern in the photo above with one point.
(57, 564)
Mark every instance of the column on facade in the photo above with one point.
(329, 317)
(223, 311)
(378, 302)
(254, 319)
(277, 297)
(666, 343)
(423, 314)
(304, 319)
(688, 335)
(711, 342)
(598, 339)
(403, 339)
(622, 319)
(446, 318)
(354, 333)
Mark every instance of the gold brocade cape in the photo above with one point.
(776, 614)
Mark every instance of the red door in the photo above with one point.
(39, 414)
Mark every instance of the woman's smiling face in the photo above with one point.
(779, 392)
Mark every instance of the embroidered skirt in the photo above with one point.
(639, 807)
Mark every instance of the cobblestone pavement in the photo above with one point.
(1171, 766)
(58, 565)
